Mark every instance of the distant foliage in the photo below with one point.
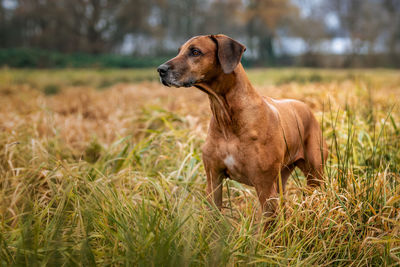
(270, 29)
(37, 58)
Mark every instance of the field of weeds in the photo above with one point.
(103, 167)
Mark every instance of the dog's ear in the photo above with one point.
(229, 52)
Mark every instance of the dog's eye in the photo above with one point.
(196, 52)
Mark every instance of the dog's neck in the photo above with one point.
(231, 97)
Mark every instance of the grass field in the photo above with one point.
(103, 167)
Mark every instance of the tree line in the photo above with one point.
(369, 30)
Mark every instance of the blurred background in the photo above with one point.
(100, 164)
(143, 33)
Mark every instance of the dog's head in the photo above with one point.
(200, 60)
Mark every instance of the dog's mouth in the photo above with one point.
(189, 84)
(169, 83)
(174, 83)
(164, 82)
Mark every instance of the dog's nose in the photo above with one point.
(162, 69)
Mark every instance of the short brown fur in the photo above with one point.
(251, 139)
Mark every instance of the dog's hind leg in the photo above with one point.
(314, 158)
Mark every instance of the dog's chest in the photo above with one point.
(235, 169)
(231, 155)
(229, 161)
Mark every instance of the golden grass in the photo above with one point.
(104, 167)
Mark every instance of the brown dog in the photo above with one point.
(253, 140)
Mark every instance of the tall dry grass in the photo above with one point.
(104, 168)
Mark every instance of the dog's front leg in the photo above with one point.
(214, 183)
(268, 197)
(267, 192)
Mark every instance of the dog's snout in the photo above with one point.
(163, 69)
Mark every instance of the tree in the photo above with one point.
(263, 18)
(393, 40)
(224, 16)
(364, 22)
(311, 28)
(66, 25)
